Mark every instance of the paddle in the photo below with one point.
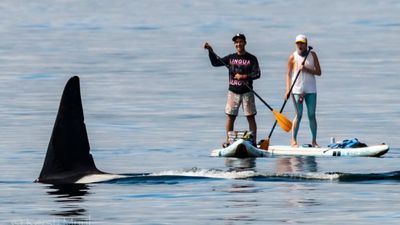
(265, 144)
(283, 122)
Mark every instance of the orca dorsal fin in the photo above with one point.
(68, 155)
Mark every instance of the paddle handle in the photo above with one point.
(251, 89)
(290, 90)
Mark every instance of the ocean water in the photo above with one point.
(154, 109)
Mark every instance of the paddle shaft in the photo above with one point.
(290, 91)
(251, 89)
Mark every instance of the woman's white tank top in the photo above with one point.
(306, 82)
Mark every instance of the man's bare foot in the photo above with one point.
(294, 144)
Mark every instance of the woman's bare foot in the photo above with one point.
(315, 144)
(294, 144)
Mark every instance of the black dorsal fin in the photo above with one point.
(68, 155)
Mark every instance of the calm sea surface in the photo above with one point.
(154, 106)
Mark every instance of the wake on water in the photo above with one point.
(173, 177)
(194, 174)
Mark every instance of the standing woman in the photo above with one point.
(305, 88)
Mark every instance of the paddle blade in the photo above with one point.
(265, 144)
(283, 122)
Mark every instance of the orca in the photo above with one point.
(68, 159)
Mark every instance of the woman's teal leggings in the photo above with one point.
(311, 103)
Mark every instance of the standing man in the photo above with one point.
(243, 68)
(305, 88)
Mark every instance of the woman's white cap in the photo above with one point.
(301, 38)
